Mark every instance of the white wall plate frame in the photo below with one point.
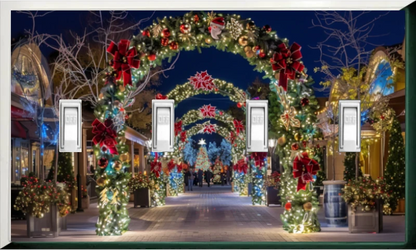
(349, 125)
(257, 126)
(163, 124)
(70, 126)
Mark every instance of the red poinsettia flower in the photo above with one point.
(161, 97)
(288, 62)
(171, 165)
(123, 59)
(276, 176)
(259, 158)
(304, 169)
(202, 80)
(156, 167)
(210, 128)
(241, 166)
(105, 135)
(183, 136)
(238, 126)
(178, 127)
(207, 111)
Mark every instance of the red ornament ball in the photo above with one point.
(235, 145)
(295, 146)
(173, 46)
(267, 28)
(103, 162)
(146, 33)
(165, 33)
(151, 57)
(304, 101)
(216, 89)
(164, 41)
(239, 105)
(256, 48)
(221, 113)
(262, 54)
(185, 28)
(288, 206)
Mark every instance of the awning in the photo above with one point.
(18, 130)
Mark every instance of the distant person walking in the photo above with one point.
(191, 178)
(200, 180)
(228, 176)
(209, 176)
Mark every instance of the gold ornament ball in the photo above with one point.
(249, 52)
(307, 206)
(367, 208)
(101, 181)
(117, 165)
(208, 40)
(281, 140)
(243, 40)
(124, 157)
(298, 136)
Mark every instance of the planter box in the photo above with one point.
(366, 222)
(142, 197)
(50, 225)
(85, 202)
(273, 197)
(131, 198)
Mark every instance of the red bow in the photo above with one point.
(179, 167)
(178, 127)
(105, 135)
(156, 167)
(123, 59)
(161, 97)
(183, 136)
(241, 166)
(304, 169)
(238, 126)
(171, 165)
(288, 62)
(258, 158)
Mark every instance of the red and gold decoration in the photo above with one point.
(105, 135)
(304, 169)
(123, 60)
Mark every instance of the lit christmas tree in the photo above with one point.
(395, 167)
(318, 155)
(65, 170)
(202, 161)
(349, 164)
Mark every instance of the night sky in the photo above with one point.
(295, 26)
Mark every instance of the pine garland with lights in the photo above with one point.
(293, 118)
(258, 175)
(395, 167)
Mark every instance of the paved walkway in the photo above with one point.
(210, 215)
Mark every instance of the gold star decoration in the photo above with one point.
(288, 116)
(210, 17)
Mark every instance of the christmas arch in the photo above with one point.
(132, 60)
(203, 83)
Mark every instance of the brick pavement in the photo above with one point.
(208, 215)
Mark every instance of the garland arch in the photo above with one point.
(131, 62)
(203, 83)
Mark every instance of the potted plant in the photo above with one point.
(46, 205)
(365, 198)
(140, 185)
(85, 198)
(273, 183)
